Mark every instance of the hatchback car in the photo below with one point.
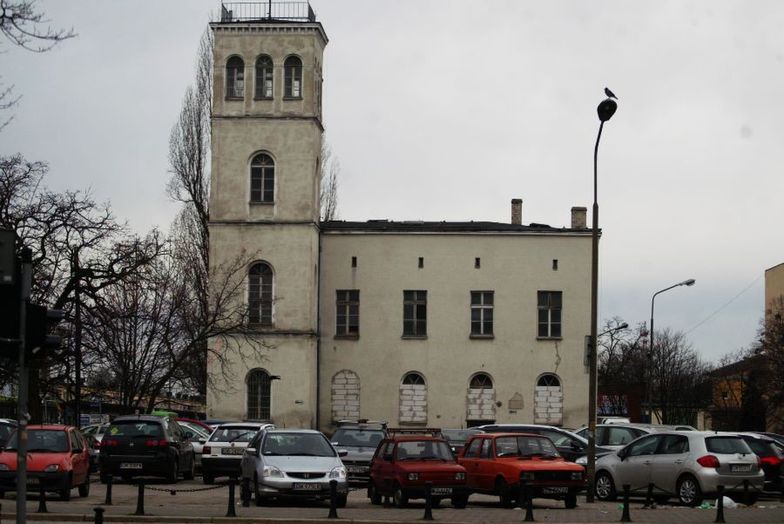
(293, 464)
(570, 446)
(457, 438)
(615, 436)
(222, 454)
(497, 464)
(198, 438)
(688, 464)
(57, 460)
(146, 445)
(360, 441)
(770, 458)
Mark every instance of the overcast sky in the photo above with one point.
(447, 110)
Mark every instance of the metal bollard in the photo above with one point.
(108, 501)
(333, 499)
(746, 491)
(42, 499)
(529, 504)
(625, 515)
(649, 497)
(245, 492)
(140, 499)
(230, 511)
(428, 501)
(98, 515)
(719, 504)
(521, 495)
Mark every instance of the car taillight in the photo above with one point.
(708, 461)
(155, 443)
(97, 444)
(205, 450)
(770, 461)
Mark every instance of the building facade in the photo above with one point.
(444, 324)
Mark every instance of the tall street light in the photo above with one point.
(689, 282)
(605, 110)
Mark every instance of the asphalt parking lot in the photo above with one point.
(195, 502)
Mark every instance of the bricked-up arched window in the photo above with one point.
(548, 400)
(480, 400)
(259, 397)
(292, 69)
(481, 381)
(235, 77)
(262, 179)
(264, 77)
(413, 399)
(260, 280)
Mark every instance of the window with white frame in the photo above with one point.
(482, 313)
(262, 179)
(549, 311)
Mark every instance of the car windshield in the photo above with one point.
(458, 436)
(135, 429)
(297, 444)
(424, 450)
(354, 437)
(42, 440)
(726, 445)
(234, 434)
(524, 447)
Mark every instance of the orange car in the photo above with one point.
(58, 459)
(496, 464)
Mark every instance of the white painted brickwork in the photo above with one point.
(480, 404)
(548, 405)
(413, 404)
(345, 395)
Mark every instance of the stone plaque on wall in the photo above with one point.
(516, 402)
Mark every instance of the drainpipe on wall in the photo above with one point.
(318, 334)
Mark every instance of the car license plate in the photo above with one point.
(306, 486)
(358, 469)
(738, 468)
(131, 465)
(33, 480)
(555, 491)
(441, 491)
(232, 451)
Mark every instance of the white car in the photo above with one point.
(198, 437)
(222, 453)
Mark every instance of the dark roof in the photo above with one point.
(418, 226)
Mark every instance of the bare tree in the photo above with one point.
(329, 172)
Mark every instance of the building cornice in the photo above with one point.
(271, 27)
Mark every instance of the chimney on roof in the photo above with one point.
(517, 211)
(579, 218)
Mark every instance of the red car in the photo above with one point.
(403, 464)
(498, 462)
(58, 459)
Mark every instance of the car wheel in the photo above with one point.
(373, 494)
(604, 487)
(504, 493)
(84, 489)
(207, 478)
(341, 500)
(689, 492)
(173, 473)
(571, 500)
(460, 501)
(191, 471)
(399, 498)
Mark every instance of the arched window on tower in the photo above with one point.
(259, 395)
(264, 77)
(260, 279)
(293, 77)
(262, 179)
(235, 77)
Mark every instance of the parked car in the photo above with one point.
(496, 464)
(293, 464)
(404, 462)
(96, 431)
(690, 464)
(146, 445)
(94, 452)
(615, 436)
(222, 453)
(770, 458)
(57, 460)
(192, 421)
(457, 438)
(7, 426)
(198, 437)
(570, 446)
(360, 441)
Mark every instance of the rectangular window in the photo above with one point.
(482, 313)
(414, 313)
(549, 303)
(347, 317)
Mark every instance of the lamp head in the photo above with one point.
(689, 282)
(606, 109)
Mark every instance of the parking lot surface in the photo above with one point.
(195, 502)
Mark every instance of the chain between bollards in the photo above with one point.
(719, 504)
(230, 511)
(42, 498)
(140, 499)
(625, 515)
(428, 501)
(98, 515)
(108, 501)
(333, 499)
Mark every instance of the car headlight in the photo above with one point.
(271, 471)
(459, 475)
(4, 467)
(413, 476)
(583, 461)
(526, 475)
(51, 468)
(577, 475)
(338, 473)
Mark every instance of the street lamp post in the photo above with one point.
(689, 282)
(605, 111)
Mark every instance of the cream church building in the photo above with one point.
(446, 324)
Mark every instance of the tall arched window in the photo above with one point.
(260, 279)
(259, 398)
(548, 400)
(293, 77)
(413, 399)
(262, 179)
(264, 77)
(235, 77)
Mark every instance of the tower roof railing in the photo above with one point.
(265, 12)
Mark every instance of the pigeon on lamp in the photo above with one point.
(610, 93)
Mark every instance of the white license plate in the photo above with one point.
(738, 468)
(306, 486)
(441, 491)
(131, 465)
(358, 469)
(555, 491)
(232, 451)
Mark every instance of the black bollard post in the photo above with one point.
(42, 498)
(98, 515)
(230, 511)
(521, 495)
(649, 497)
(746, 491)
(245, 492)
(625, 515)
(428, 501)
(140, 499)
(333, 499)
(719, 504)
(529, 504)
(108, 501)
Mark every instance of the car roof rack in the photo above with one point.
(429, 432)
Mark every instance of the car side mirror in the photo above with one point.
(342, 452)
(202, 441)
(250, 451)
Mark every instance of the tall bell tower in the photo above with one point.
(264, 205)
